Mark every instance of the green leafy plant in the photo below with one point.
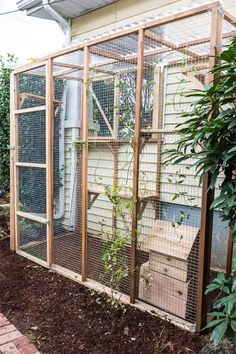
(115, 239)
(208, 137)
(5, 70)
(225, 308)
(115, 242)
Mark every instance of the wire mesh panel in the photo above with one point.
(31, 162)
(32, 137)
(219, 239)
(168, 232)
(169, 195)
(68, 82)
(110, 161)
(32, 190)
(32, 88)
(33, 238)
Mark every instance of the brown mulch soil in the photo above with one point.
(64, 317)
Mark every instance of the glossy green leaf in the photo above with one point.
(219, 331)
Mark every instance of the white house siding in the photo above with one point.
(124, 12)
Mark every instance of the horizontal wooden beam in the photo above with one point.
(68, 65)
(179, 62)
(159, 131)
(31, 216)
(229, 17)
(29, 164)
(74, 68)
(30, 110)
(36, 97)
(94, 139)
(204, 40)
(32, 258)
(158, 39)
(30, 66)
(65, 72)
(115, 56)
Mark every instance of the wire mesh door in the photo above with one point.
(30, 164)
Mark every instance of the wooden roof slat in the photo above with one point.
(115, 56)
(68, 65)
(36, 97)
(65, 72)
(155, 37)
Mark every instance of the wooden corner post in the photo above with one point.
(49, 160)
(138, 111)
(85, 113)
(13, 96)
(208, 195)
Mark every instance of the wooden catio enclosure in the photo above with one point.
(91, 194)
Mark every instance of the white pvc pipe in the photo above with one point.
(61, 212)
(64, 24)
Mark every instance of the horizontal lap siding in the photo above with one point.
(101, 164)
(173, 186)
(100, 171)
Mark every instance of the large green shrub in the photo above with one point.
(5, 64)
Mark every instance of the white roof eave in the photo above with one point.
(66, 8)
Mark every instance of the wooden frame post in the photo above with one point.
(13, 101)
(49, 161)
(207, 194)
(138, 109)
(85, 114)
(115, 153)
(116, 106)
(157, 123)
(15, 118)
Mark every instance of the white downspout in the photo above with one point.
(65, 26)
(61, 211)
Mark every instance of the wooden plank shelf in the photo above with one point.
(144, 200)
